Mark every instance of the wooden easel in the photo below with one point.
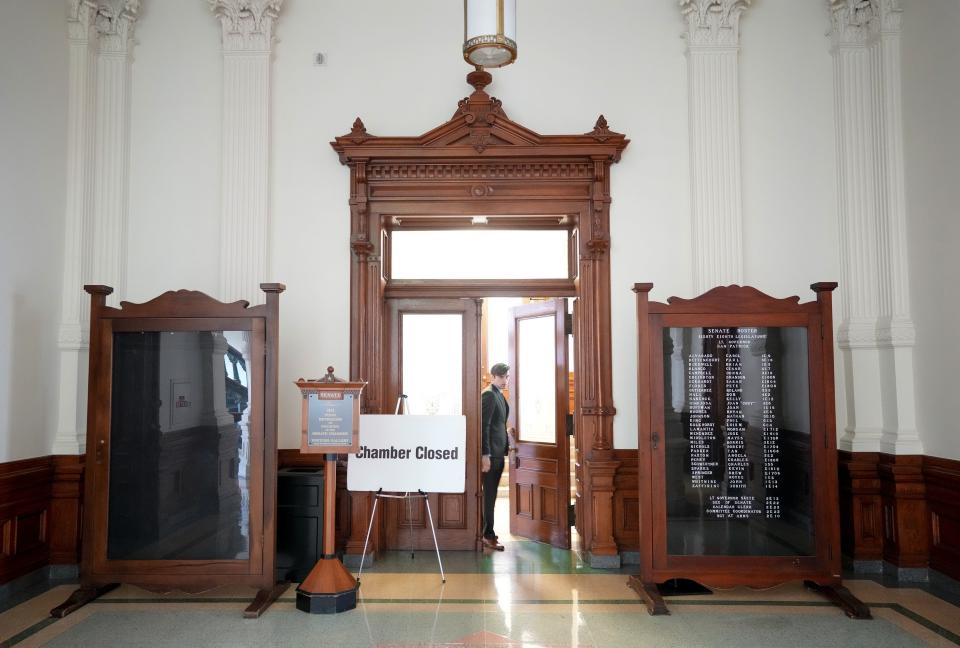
(401, 408)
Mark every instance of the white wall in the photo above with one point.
(627, 63)
(174, 229)
(33, 117)
(790, 226)
(931, 91)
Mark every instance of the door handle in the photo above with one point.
(655, 440)
(99, 453)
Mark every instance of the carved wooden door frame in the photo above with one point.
(478, 163)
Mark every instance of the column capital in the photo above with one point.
(854, 22)
(247, 24)
(80, 18)
(115, 21)
(713, 23)
(890, 14)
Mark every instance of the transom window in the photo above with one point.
(480, 254)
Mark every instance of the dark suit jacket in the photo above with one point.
(494, 411)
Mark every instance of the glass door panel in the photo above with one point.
(536, 379)
(432, 362)
(433, 352)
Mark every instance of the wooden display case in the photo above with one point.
(181, 477)
(737, 443)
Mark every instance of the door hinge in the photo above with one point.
(571, 514)
(570, 429)
(568, 324)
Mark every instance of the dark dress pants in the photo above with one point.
(491, 481)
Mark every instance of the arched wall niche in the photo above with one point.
(482, 163)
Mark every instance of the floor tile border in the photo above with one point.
(27, 633)
(896, 607)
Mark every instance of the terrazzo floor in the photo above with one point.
(530, 595)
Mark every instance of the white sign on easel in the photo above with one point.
(409, 453)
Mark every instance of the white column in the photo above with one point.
(895, 330)
(247, 38)
(853, 68)
(713, 44)
(876, 333)
(73, 334)
(108, 226)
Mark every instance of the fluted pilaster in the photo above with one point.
(713, 42)
(108, 231)
(876, 332)
(72, 337)
(247, 38)
(897, 328)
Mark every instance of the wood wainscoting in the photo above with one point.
(25, 488)
(902, 509)
(66, 509)
(40, 513)
(626, 502)
(861, 505)
(942, 479)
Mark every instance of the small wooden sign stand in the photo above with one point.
(330, 425)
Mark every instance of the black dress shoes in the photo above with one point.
(491, 543)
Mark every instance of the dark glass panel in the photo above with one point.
(737, 428)
(179, 446)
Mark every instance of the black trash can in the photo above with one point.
(299, 521)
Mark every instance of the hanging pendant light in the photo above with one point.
(490, 32)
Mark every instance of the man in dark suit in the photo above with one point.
(495, 443)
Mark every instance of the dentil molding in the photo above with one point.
(713, 23)
(247, 24)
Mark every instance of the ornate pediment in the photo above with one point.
(184, 303)
(480, 127)
(735, 299)
(480, 122)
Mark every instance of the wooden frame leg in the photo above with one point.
(842, 598)
(650, 595)
(264, 599)
(79, 598)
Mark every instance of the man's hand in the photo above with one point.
(485, 463)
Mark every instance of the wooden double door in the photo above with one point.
(432, 356)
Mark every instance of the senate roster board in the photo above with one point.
(737, 435)
(736, 442)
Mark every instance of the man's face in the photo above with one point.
(501, 381)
